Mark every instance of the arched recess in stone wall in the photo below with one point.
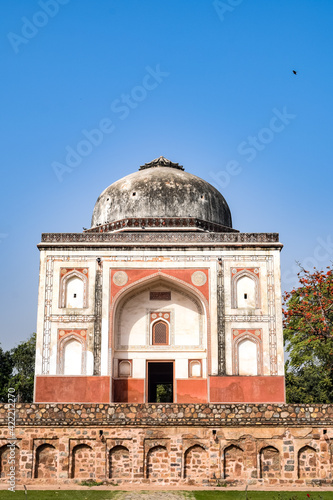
(158, 280)
(46, 463)
(233, 463)
(196, 464)
(83, 462)
(119, 463)
(247, 355)
(270, 466)
(6, 457)
(307, 463)
(72, 283)
(157, 463)
(245, 290)
(72, 355)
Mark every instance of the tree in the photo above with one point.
(6, 368)
(17, 368)
(22, 379)
(308, 335)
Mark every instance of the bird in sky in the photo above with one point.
(295, 72)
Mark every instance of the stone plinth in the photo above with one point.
(201, 444)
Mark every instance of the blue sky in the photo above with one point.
(206, 84)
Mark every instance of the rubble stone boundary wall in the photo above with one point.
(170, 414)
(174, 444)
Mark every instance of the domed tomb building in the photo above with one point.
(161, 300)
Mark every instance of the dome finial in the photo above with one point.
(161, 162)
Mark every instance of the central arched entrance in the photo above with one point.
(159, 334)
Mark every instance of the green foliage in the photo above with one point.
(164, 393)
(6, 369)
(308, 335)
(17, 369)
(91, 482)
(24, 368)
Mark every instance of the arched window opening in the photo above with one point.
(160, 333)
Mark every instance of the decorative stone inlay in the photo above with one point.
(98, 320)
(220, 319)
(198, 278)
(120, 278)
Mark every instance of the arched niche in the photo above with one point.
(157, 463)
(46, 462)
(195, 368)
(247, 355)
(133, 313)
(270, 466)
(307, 463)
(73, 290)
(8, 458)
(233, 463)
(124, 368)
(72, 352)
(196, 463)
(245, 290)
(83, 460)
(119, 463)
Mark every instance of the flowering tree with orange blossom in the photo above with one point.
(308, 336)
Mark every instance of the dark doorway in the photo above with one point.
(160, 382)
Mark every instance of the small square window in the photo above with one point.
(245, 295)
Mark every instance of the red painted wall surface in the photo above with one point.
(135, 275)
(130, 390)
(247, 389)
(192, 391)
(61, 389)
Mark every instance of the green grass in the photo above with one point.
(199, 495)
